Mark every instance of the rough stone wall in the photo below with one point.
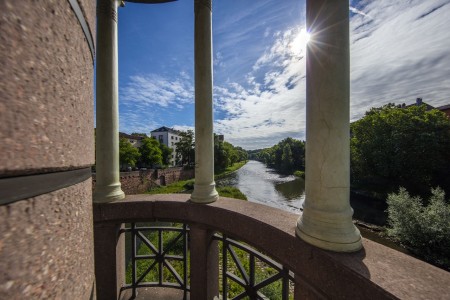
(138, 182)
(46, 125)
(172, 175)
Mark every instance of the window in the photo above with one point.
(160, 138)
(171, 137)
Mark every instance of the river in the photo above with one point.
(263, 185)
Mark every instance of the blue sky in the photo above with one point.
(400, 50)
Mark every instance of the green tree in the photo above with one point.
(151, 154)
(166, 154)
(393, 146)
(286, 157)
(128, 155)
(140, 134)
(287, 161)
(185, 147)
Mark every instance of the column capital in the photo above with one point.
(107, 8)
(206, 3)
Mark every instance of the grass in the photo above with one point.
(231, 192)
(218, 174)
(186, 186)
(173, 188)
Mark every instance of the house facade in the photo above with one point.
(135, 140)
(169, 137)
(445, 109)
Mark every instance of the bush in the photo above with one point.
(299, 174)
(425, 229)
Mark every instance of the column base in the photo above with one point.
(337, 234)
(109, 193)
(204, 193)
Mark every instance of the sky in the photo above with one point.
(400, 50)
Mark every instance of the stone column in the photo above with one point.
(204, 263)
(204, 187)
(107, 187)
(326, 221)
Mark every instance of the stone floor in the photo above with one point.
(154, 293)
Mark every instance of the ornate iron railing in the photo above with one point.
(252, 271)
(153, 254)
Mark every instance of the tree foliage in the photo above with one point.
(286, 157)
(425, 229)
(151, 154)
(141, 134)
(225, 154)
(186, 147)
(128, 155)
(166, 154)
(393, 146)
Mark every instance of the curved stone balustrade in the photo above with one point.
(375, 272)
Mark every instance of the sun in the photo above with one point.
(298, 45)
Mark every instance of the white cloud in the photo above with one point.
(272, 103)
(153, 89)
(399, 51)
(400, 54)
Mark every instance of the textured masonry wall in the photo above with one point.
(46, 125)
(46, 87)
(46, 249)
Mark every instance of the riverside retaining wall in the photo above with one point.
(137, 182)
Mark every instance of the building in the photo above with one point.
(169, 137)
(419, 102)
(135, 140)
(445, 109)
(61, 241)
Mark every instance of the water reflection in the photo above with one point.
(263, 185)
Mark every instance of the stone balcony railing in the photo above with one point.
(375, 272)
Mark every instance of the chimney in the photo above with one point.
(419, 101)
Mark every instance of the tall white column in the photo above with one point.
(107, 187)
(204, 186)
(326, 221)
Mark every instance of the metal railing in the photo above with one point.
(158, 253)
(252, 271)
(152, 253)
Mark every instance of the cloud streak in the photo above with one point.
(153, 89)
(399, 51)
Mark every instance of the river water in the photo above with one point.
(263, 185)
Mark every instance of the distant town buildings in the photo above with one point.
(135, 140)
(445, 108)
(169, 137)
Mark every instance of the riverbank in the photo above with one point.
(187, 186)
(219, 174)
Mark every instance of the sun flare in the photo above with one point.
(298, 45)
